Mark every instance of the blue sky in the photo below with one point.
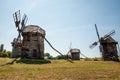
(65, 22)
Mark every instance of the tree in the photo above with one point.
(5, 53)
(1, 47)
(47, 54)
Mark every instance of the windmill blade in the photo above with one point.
(97, 32)
(17, 18)
(93, 45)
(24, 21)
(109, 34)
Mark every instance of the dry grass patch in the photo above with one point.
(60, 70)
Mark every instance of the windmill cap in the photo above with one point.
(33, 28)
(108, 40)
(75, 50)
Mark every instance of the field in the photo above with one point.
(60, 70)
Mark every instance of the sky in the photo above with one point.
(65, 22)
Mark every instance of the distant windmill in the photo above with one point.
(75, 53)
(107, 46)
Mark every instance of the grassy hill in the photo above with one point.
(60, 70)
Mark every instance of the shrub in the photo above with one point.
(63, 57)
(5, 53)
(95, 59)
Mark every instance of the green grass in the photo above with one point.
(60, 70)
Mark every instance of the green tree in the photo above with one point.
(47, 54)
(5, 53)
(1, 47)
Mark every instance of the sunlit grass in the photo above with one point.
(60, 70)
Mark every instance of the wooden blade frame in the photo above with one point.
(24, 21)
(17, 20)
(97, 32)
(109, 34)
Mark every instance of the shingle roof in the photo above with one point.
(108, 40)
(75, 51)
(33, 28)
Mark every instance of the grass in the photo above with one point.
(60, 70)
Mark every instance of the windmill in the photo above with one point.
(75, 53)
(107, 46)
(20, 25)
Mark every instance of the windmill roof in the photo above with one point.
(33, 28)
(75, 51)
(109, 40)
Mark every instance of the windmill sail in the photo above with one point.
(93, 45)
(109, 34)
(24, 21)
(17, 18)
(97, 32)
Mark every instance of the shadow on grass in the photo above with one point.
(27, 61)
(33, 61)
(11, 62)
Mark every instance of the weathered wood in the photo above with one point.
(32, 45)
(33, 42)
(109, 48)
(75, 54)
(16, 48)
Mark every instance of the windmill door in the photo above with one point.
(34, 53)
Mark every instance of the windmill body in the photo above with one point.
(109, 48)
(33, 42)
(75, 54)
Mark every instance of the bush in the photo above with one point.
(98, 59)
(63, 57)
(5, 53)
(95, 59)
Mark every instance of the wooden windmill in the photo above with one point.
(20, 25)
(74, 53)
(108, 46)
